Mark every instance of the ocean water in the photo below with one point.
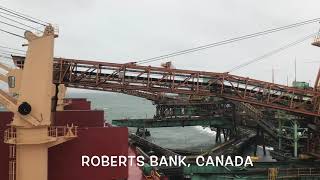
(193, 138)
(119, 106)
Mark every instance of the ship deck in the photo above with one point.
(135, 173)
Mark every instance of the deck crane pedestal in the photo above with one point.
(31, 131)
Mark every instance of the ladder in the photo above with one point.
(12, 162)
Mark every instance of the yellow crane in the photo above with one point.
(31, 129)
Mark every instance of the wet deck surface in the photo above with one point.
(135, 173)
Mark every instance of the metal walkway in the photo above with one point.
(127, 77)
(258, 117)
(222, 122)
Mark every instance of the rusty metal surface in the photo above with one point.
(155, 80)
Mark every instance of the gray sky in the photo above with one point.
(127, 30)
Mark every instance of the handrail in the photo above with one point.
(10, 134)
(299, 172)
(66, 131)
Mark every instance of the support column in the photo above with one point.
(264, 144)
(31, 162)
(295, 138)
(224, 135)
(32, 153)
(218, 135)
(256, 141)
(280, 134)
(235, 129)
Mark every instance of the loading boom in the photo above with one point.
(153, 80)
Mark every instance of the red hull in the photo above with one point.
(93, 139)
(6, 118)
(65, 159)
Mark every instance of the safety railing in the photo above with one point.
(258, 116)
(56, 29)
(299, 172)
(39, 31)
(316, 40)
(63, 131)
(10, 134)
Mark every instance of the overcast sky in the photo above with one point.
(129, 30)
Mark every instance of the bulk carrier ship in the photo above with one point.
(45, 134)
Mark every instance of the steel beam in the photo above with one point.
(131, 77)
(175, 122)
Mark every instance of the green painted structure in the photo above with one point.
(261, 170)
(221, 122)
(300, 84)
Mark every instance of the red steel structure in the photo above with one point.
(150, 82)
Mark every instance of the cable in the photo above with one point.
(13, 26)
(269, 31)
(11, 15)
(6, 60)
(273, 52)
(5, 47)
(20, 23)
(8, 57)
(8, 65)
(6, 54)
(5, 51)
(11, 33)
(25, 17)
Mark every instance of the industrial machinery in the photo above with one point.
(37, 89)
(31, 130)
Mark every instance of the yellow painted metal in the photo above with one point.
(61, 94)
(272, 173)
(32, 133)
(36, 83)
(35, 89)
(16, 74)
